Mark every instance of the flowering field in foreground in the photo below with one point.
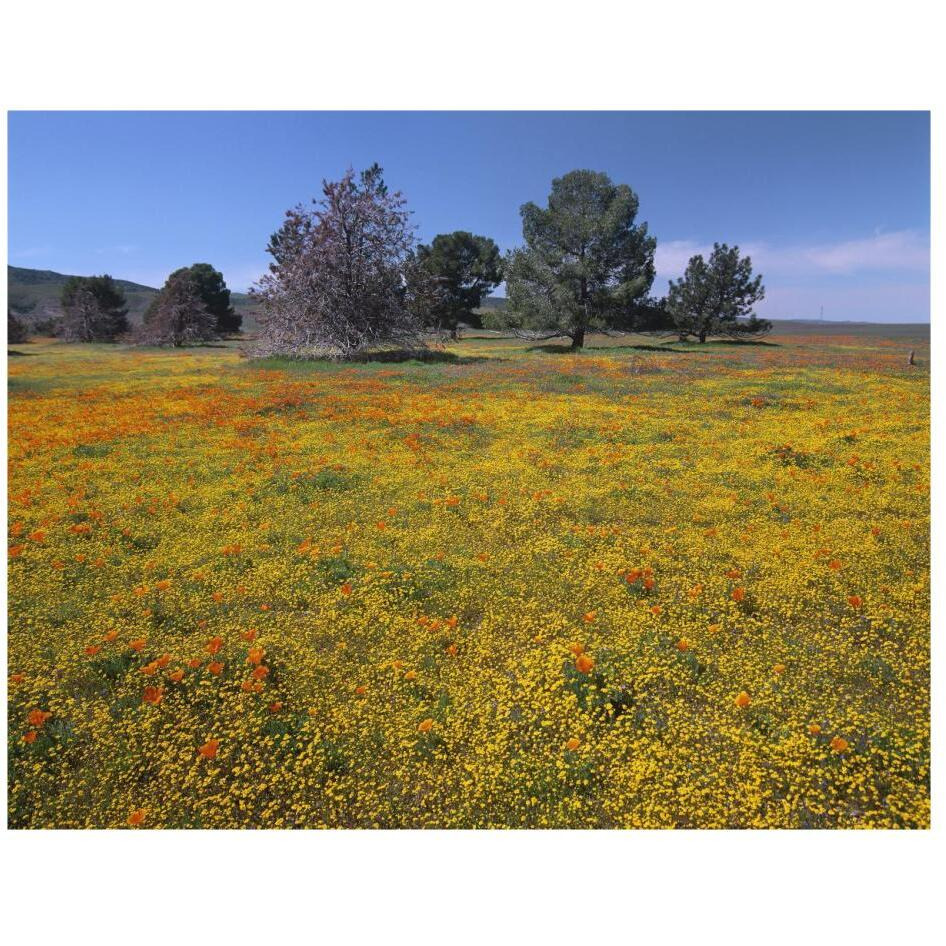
(628, 588)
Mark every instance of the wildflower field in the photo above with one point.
(642, 586)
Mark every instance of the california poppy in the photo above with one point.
(840, 744)
(37, 717)
(584, 663)
(260, 672)
(153, 695)
(683, 644)
(138, 645)
(214, 645)
(176, 676)
(255, 655)
(572, 744)
(426, 725)
(743, 700)
(216, 668)
(854, 601)
(136, 817)
(738, 594)
(209, 749)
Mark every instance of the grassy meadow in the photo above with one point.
(644, 586)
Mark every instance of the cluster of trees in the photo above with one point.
(346, 274)
(192, 306)
(587, 265)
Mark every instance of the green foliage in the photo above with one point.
(16, 330)
(94, 309)
(585, 262)
(716, 297)
(215, 295)
(465, 267)
(179, 315)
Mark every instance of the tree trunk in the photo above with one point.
(578, 339)
(912, 359)
(702, 336)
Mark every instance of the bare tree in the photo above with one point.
(341, 280)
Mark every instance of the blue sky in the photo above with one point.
(834, 207)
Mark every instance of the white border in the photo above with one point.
(654, 887)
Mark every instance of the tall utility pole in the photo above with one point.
(821, 316)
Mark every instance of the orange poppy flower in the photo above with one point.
(714, 628)
(17, 678)
(138, 645)
(738, 594)
(137, 817)
(656, 609)
(814, 729)
(361, 690)
(839, 744)
(854, 601)
(410, 675)
(346, 588)
(152, 695)
(149, 669)
(176, 676)
(255, 655)
(452, 650)
(734, 573)
(209, 749)
(743, 700)
(214, 644)
(572, 744)
(92, 650)
(260, 672)
(589, 616)
(109, 636)
(194, 663)
(37, 717)
(451, 621)
(275, 707)
(683, 644)
(217, 596)
(163, 661)
(576, 649)
(248, 635)
(834, 565)
(425, 725)
(778, 669)
(584, 663)
(216, 668)
(649, 583)
(30, 737)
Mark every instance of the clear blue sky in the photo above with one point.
(833, 207)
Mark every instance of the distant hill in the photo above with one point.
(34, 295)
